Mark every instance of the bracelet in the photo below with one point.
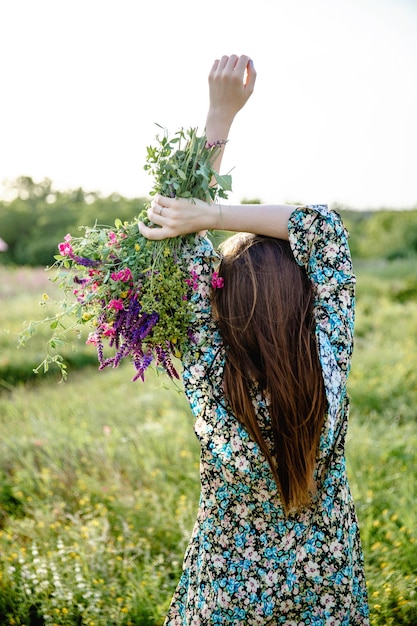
(216, 144)
(221, 215)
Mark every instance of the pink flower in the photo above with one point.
(116, 304)
(217, 282)
(92, 339)
(108, 330)
(65, 248)
(193, 281)
(112, 237)
(124, 275)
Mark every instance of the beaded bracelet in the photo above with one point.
(213, 144)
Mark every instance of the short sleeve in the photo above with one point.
(319, 242)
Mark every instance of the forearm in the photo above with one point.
(231, 83)
(217, 132)
(262, 219)
(180, 216)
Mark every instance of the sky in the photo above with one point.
(333, 117)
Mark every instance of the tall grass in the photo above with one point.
(99, 476)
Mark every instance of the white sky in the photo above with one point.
(333, 116)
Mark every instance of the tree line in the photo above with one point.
(37, 218)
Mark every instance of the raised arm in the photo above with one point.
(231, 83)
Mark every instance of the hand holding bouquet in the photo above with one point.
(134, 293)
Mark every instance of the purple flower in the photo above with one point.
(81, 260)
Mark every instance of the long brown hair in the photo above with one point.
(264, 312)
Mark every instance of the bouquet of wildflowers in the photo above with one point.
(133, 293)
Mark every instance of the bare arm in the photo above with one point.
(178, 216)
(231, 83)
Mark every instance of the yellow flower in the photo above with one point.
(137, 247)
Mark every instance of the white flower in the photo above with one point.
(218, 560)
(196, 371)
(312, 569)
(242, 463)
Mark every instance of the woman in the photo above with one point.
(276, 539)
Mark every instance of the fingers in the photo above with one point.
(223, 66)
(225, 60)
(155, 234)
(214, 66)
(159, 213)
(251, 75)
(232, 77)
(245, 68)
(160, 209)
(229, 64)
(156, 210)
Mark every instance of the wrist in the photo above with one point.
(217, 216)
(218, 125)
(218, 143)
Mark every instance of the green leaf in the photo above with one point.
(224, 181)
(56, 342)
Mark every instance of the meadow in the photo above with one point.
(99, 477)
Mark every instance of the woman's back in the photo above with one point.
(248, 561)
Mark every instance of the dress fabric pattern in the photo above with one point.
(246, 563)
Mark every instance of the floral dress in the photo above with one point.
(246, 562)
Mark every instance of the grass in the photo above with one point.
(99, 476)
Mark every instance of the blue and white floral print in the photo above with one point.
(246, 563)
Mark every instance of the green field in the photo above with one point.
(99, 476)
